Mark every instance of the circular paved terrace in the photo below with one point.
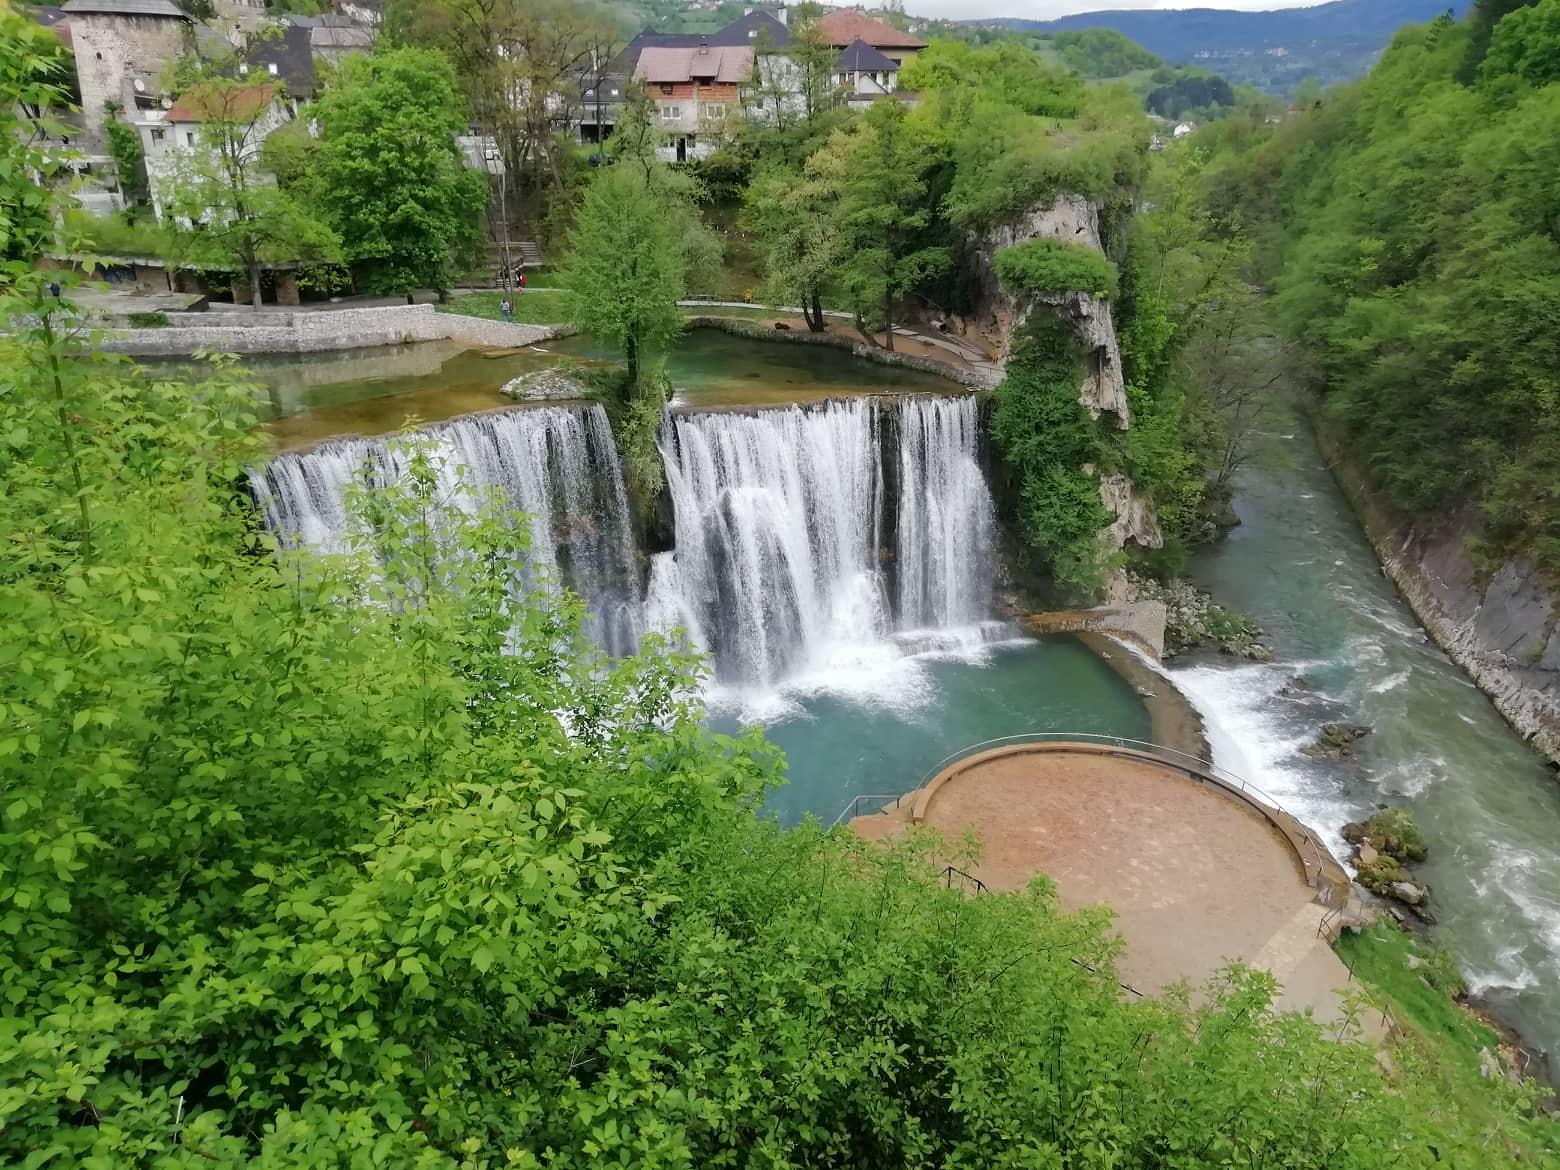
(1197, 875)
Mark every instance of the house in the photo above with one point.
(286, 57)
(332, 36)
(845, 26)
(172, 138)
(865, 74)
(122, 48)
(1182, 129)
(695, 90)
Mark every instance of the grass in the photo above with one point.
(1422, 997)
(545, 309)
(114, 235)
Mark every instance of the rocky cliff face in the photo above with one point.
(1071, 219)
(1504, 630)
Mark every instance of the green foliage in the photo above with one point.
(367, 859)
(1055, 266)
(31, 91)
(627, 265)
(1004, 72)
(1102, 52)
(117, 234)
(124, 147)
(1046, 437)
(879, 170)
(148, 320)
(1420, 262)
(1191, 96)
(801, 237)
(388, 175)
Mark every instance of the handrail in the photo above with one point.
(853, 809)
(1177, 759)
(951, 872)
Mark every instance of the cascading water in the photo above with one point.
(818, 539)
(946, 522)
(787, 522)
(557, 465)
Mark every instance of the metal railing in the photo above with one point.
(1200, 769)
(860, 806)
(969, 880)
(1311, 851)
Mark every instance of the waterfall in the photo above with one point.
(946, 522)
(777, 532)
(809, 540)
(788, 520)
(557, 465)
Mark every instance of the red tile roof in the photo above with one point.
(221, 102)
(727, 64)
(844, 25)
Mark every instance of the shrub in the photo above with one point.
(1051, 266)
(148, 320)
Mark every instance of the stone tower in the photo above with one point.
(117, 43)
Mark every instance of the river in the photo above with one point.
(1348, 648)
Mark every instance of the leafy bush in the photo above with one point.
(1052, 266)
(1046, 437)
(117, 234)
(148, 320)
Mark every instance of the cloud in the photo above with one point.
(1048, 9)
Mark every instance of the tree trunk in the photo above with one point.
(888, 321)
(814, 313)
(631, 354)
(254, 284)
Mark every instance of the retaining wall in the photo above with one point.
(1139, 622)
(268, 331)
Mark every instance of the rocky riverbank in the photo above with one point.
(1503, 627)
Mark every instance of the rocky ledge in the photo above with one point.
(1193, 620)
(1385, 845)
(545, 386)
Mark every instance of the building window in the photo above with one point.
(271, 68)
(158, 135)
(666, 89)
(715, 111)
(614, 93)
(189, 138)
(671, 113)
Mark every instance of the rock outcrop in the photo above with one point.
(545, 386)
(1502, 628)
(1134, 522)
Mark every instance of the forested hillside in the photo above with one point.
(1414, 250)
(1274, 50)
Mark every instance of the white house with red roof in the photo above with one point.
(696, 90)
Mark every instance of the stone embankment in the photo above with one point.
(1502, 628)
(269, 331)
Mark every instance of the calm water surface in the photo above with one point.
(1488, 805)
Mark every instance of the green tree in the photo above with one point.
(227, 211)
(793, 217)
(124, 147)
(389, 176)
(879, 169)
(32, 98)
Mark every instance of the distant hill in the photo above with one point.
(1273, 50)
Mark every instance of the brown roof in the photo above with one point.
(217, 102)
(725, 64)
(844, 25)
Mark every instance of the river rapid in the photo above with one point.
(1349, 649)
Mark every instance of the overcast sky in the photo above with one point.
(1046, 9)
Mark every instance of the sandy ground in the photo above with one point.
(1196, 879)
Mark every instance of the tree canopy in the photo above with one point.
(388, 175)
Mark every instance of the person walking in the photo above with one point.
(522, 282)
(505, 308)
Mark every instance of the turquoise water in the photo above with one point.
(1489, 806)
(881, 735)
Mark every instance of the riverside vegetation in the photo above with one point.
(370, 859)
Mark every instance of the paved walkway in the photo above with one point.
(1196, 879)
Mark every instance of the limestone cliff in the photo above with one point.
(1502, 628)
(1076, 220)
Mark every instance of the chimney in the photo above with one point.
(704, 46)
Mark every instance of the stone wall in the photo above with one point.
(1503, 629)
(112, 50)
(1139, 622)
(246, 332)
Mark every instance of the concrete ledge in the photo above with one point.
(1322, 871)
(268, 331)
(1140, 622)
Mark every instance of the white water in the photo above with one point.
(793, 524)
(556, 465)
(817, 548)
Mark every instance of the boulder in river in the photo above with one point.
(1337, 740)
(545, 386)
